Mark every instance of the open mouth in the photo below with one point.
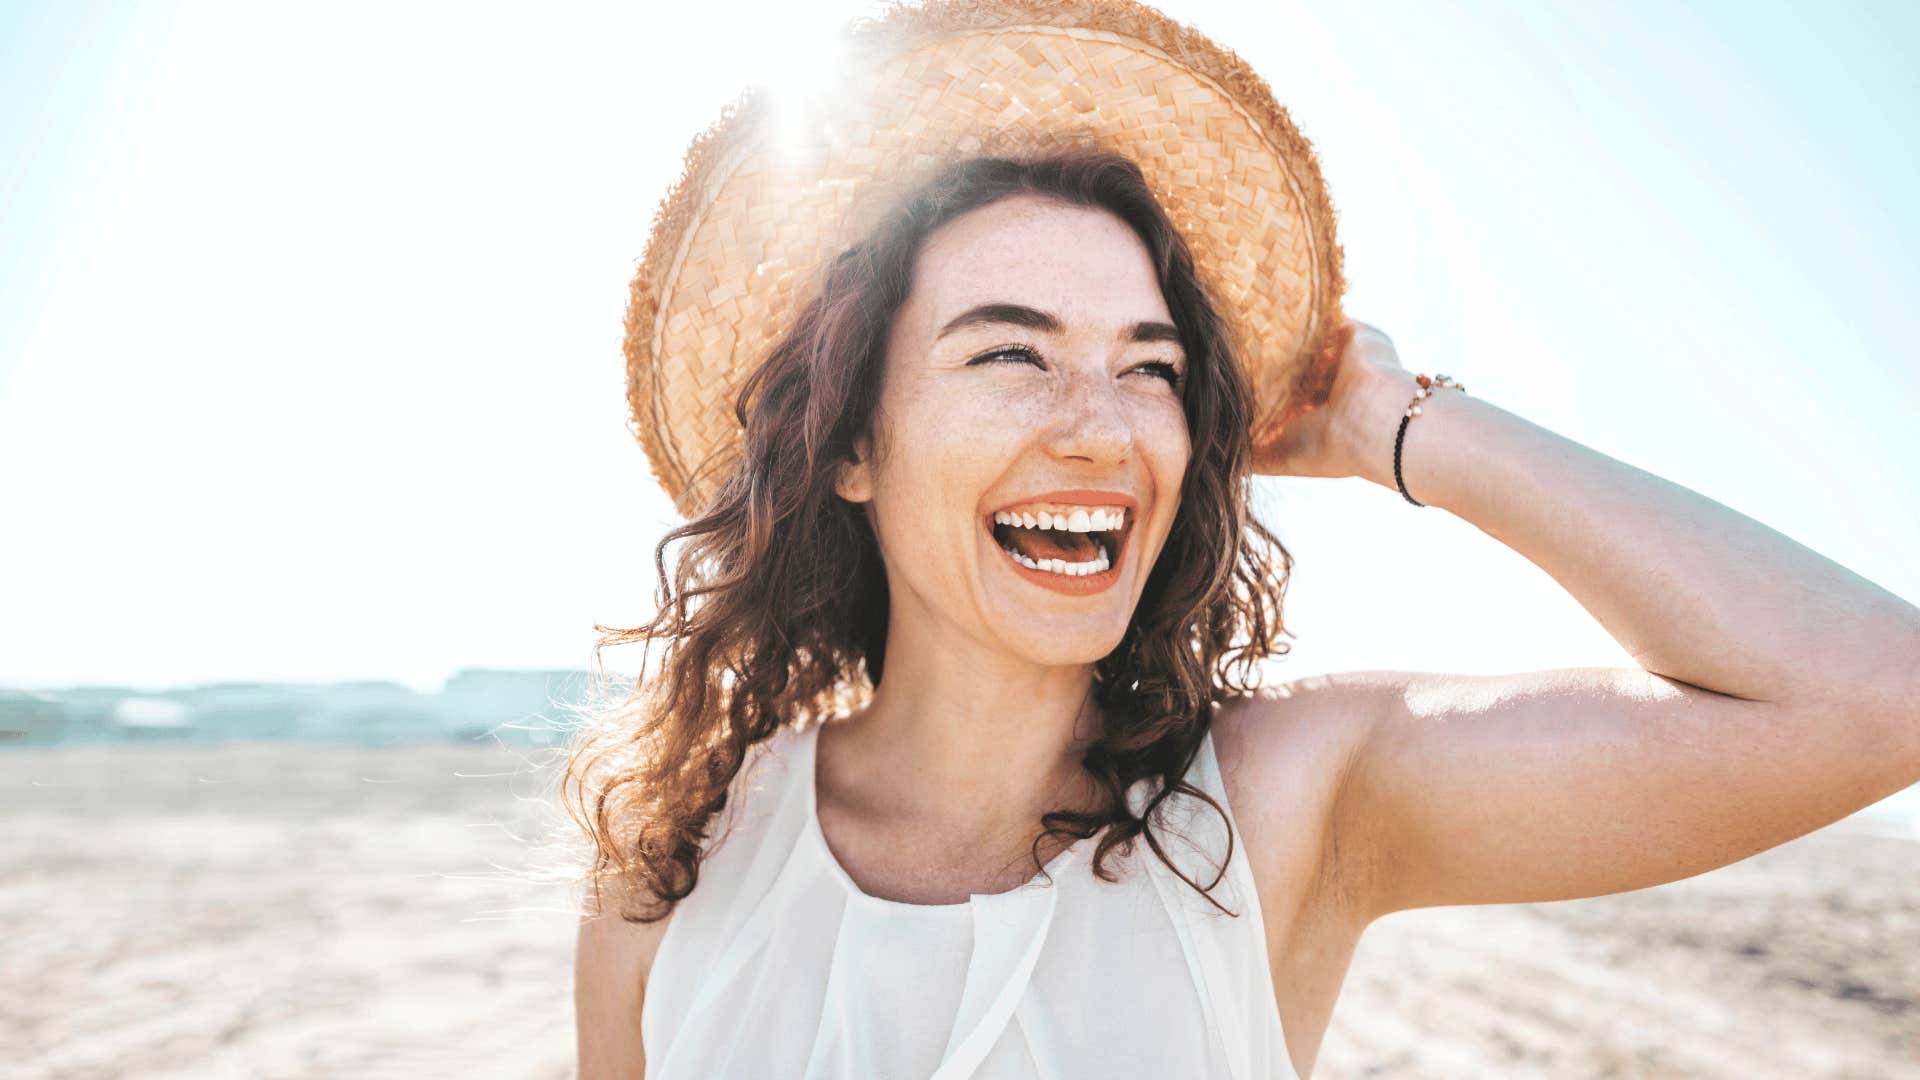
(1072, 545)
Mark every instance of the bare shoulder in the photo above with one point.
(612, 959)
(1309, 723)
(606, 938)
(602, 924)
(1284, 752)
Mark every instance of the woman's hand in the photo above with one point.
(1321, 440)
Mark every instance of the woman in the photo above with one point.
(952, 766)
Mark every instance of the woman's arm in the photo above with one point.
(1778, 692)
(611, 959)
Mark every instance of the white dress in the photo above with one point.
(778, 965)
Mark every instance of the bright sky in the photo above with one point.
(310, 315)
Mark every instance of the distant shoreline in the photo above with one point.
(1895, 817)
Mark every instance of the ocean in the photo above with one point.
(515, 708)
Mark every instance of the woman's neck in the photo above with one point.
(955, 748)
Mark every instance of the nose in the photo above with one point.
(1090, 421)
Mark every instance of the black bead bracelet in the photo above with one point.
(1413, 409)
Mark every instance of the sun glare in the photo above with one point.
(795, 74)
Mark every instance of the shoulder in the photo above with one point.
(611, 961)
(614, 949)
(1284, 753)
(611, 946)
(1304, 730)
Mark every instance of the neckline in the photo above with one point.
(810, 780)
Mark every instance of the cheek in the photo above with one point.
(942, 457)
(1164, 438)
(956, 442)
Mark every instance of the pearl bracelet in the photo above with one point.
(1413, 409)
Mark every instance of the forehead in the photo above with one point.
(1082, 263)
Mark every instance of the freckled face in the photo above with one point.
(976, 417)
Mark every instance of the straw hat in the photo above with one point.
(766, 199)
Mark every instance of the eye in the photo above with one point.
(1018, 353)
(1164, 370)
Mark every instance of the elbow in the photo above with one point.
(1892, 720)
(1906, 736)
(1897, 704)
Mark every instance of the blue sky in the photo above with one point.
(310, 316)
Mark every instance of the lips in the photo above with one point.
(1081, 585)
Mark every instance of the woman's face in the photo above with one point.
(1027, 379)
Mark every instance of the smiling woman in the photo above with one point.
(954, 764)
(995, 485)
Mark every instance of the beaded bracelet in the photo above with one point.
(1413, 409)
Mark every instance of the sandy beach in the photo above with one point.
(279, 910)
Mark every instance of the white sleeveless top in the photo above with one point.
(778, 965)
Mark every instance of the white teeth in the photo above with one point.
(1101, 520)
(1061, 566)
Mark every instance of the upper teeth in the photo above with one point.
(1102, 520)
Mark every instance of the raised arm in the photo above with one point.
(1778, 691)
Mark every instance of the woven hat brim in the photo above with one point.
(764, 201)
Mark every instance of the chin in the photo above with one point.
(1063, 650)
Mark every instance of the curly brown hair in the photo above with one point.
(775, 611)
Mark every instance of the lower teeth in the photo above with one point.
(1060, 566)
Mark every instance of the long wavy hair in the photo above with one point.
(775, 609)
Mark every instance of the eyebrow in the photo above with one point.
(1003, 314)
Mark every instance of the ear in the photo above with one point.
(854, 481)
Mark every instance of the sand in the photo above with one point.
(275, 910)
